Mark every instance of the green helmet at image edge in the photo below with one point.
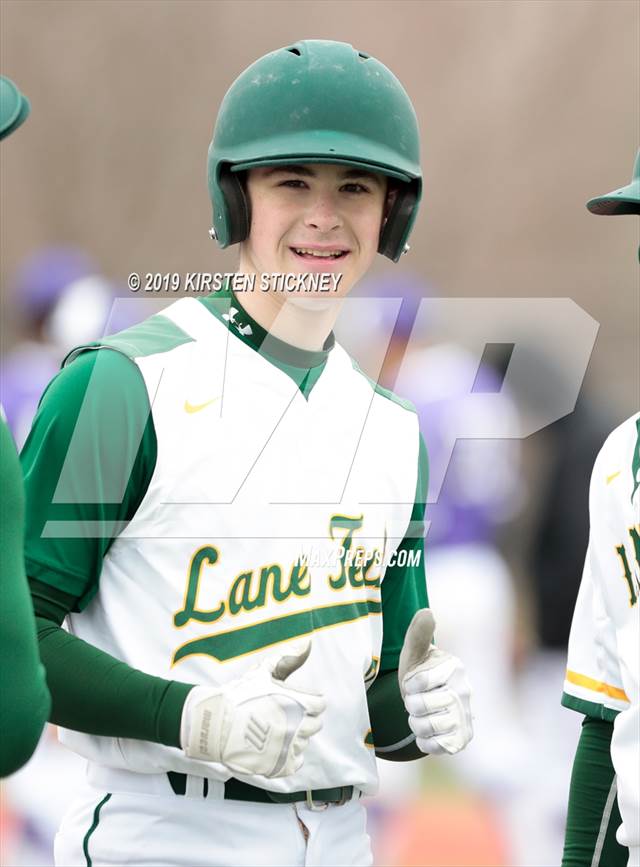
(14, 107)
(626, 200)
(315, 102)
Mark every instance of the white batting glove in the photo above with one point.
(256, 724)
(435, 689)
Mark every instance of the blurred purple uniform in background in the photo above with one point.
(62, 301)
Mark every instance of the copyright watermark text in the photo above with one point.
(203, 281)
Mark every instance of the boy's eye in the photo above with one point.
(294, 183)
(298, 184)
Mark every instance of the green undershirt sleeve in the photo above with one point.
(404, 591)
(593, 816)
(24, 698)
(103, 696)
(393, 739)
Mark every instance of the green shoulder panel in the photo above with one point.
(87, 464)
(155, 335)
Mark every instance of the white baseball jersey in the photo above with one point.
(602, 677)
(259, 498)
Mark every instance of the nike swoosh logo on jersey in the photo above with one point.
(196, 407)
(613, 476)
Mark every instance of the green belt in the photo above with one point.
(236, 790)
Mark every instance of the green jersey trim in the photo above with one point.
(94, 825)
(245, 327)
(301, 365)
(240, 642)
(589, 708)
(384, 392)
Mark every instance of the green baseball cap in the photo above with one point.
(316, 101)
(626, 200)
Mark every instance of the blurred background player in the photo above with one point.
(602, 678)
(62, 300)
(550, 555)
(24, 697)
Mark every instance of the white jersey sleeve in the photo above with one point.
(602, 678)
(593, 681)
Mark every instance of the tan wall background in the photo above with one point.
(527, 109)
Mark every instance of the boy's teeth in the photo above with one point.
(323, 255)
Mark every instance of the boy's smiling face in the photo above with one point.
(314, 218)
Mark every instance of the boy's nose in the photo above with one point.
(323, 215)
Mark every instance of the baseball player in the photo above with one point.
(228, 515)
(602, 679)
(25, 698)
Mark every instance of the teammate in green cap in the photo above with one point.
(603, 669)
(229, 516)
(24, 698)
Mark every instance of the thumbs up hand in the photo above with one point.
(435, 689)
(256, 724)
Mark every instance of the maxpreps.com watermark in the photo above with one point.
(332, 558)
(203, 281)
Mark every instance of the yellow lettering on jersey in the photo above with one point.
(632, 580)
(273, 576)
(189, 611)
(252, 589)
(247, 591)
(374, 559)
(356, 563)
(349, 525)
(300, 579)
(240, 598)
(372, 672)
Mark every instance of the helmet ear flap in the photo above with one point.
(398, 222)
(237, 204)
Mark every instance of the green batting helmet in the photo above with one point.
(14, 107)
(315, 102)
(626, 200)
